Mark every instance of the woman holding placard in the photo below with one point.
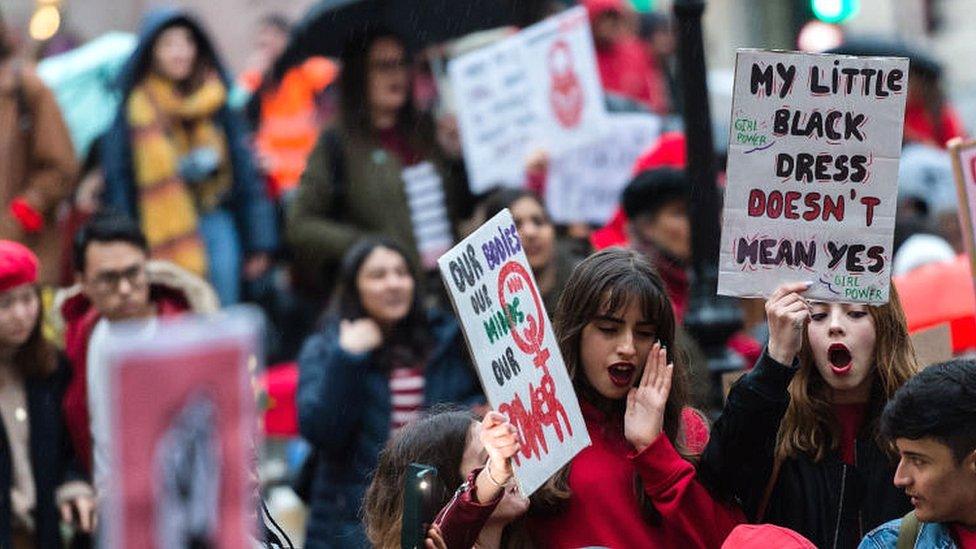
(635, 485)
(378, 362)
(797, 442)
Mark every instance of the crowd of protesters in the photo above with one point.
(298, 202)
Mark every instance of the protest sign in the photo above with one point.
(812, 174)
(536, 90)
(182, 433)
(964, 167)
(585, 183)
(514, 349)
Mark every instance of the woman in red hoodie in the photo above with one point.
(634, 486)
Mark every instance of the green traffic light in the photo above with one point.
(835, 11)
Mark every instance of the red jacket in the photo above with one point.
(80, 318)
(603, 510)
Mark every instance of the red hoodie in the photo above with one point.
(603, 510)
(80, 319)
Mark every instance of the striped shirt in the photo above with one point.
(406, 395)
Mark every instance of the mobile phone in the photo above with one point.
(420, 497)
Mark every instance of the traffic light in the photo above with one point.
(835, 11)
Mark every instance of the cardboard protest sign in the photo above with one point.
(585, 183)
(511, 340)
(813, 174)
(933, 345)
(536, 90)
(183, 427)
(964, 166)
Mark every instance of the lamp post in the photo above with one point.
(711, 318)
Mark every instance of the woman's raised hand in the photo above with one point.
(787, 313)
(501, 442)
(644, 419)
(359, 336)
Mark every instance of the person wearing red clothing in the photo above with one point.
(624, 65)
(929, 118)
(635, 485)
(116, 283)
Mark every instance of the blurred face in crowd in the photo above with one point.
(388, 78)
(668, 229)
(609, 27)
(175, 53)
(19, 309)
(115, 280)
(513, 503)
(614, 347)
(536, 231)
(842, 338)
(385, 286)
(941, 488)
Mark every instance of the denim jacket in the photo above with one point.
(931, 535)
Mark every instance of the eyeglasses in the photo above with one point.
(109, 281)
(389, 65)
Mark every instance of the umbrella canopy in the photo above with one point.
(940, 293)
(875, 46)
(83, 82)
(328, 25)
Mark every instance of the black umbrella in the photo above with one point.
(876, 46)
(327, 26)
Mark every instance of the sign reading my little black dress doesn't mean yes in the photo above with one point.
(813, 174)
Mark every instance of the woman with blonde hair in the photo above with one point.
(797, 444)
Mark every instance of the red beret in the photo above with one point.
(18, 265)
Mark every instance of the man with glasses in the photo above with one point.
(116, 283)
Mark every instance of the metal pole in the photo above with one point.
(711, 318)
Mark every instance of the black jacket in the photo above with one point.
(51, 459)
(831, 503)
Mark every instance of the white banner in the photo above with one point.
(536, 90)
(813, 174)
(584, 184)
(514, 349)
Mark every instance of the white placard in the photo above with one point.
(536, 90)
(963, 155)
(584, 184)
(813, 174)
(514, 349)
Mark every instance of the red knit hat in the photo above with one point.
(18, 265)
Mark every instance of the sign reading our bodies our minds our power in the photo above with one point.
(812, 174)
(514, 349)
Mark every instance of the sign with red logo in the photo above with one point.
(537, 90)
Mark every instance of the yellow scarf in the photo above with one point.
(166, 125)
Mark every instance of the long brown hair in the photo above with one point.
(439, 440)
(809, 428)
(36, 358)
(610, 280)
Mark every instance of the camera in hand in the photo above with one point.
(421, 492)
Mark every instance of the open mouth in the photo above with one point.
(841, 361)
(622, 374)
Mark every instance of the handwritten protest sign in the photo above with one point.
(183, 427)
(964, 166)
(584, 184)
(514, 349)
(812, 174)
(536, 90)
